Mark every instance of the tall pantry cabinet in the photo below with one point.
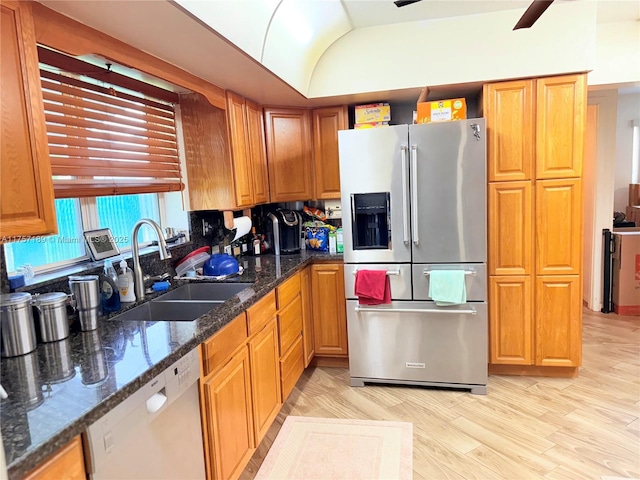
(535, 131)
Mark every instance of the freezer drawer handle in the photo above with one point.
(405, 199)
(466, 273)
(389, 272)
(358, 308)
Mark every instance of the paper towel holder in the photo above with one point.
(228, 217)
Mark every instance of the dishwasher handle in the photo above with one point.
(156, 401)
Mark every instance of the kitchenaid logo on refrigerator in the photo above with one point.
(415, 365)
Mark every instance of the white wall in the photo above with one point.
(458, 50)
(602, 189)
(617, 53)
(628, 110)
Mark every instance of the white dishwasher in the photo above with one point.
(156, 433)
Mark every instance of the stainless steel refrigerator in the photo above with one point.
(414, 200)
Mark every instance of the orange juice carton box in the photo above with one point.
(373, 113)
(442, 110)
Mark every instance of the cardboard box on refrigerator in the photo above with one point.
(372, 113)
(626, 272)
(442, 110)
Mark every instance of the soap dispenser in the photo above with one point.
(125, 283)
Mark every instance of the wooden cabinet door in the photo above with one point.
(560, 126)
(307, 316)
(558, 227)
(510, 320)
(67, 463)
(510, 119)
(558, 320)
(26, 187)
(510, 228)
(326, 123)
(329, 310)
(288, 153)
(229, 416)
(243, 180)
(255, 129)
(265, 378)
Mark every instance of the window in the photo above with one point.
(119, 213)
(68, 246)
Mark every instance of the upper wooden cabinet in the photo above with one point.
(558, 227)
(510, 119)
(510, 228)
(225, 163)
(535, 125)
(329, 310)
(247, 149)
(326, 123)
(240, 150)
(287, 135)
(561, 105)
(26, 187)
(255, 131)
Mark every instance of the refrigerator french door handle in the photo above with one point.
(358, 308)
(414, 193)
(405, 196)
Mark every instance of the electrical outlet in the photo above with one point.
(333, 208)
(207, 228)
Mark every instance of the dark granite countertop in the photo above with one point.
(61, 388)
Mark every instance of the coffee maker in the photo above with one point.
(286, 228)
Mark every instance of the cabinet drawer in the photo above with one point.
(218, 348)
(259, 314)
(290, 324)
(288, 291)
(291, 367)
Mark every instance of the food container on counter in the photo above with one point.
(17, 328)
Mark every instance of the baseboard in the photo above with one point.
(336, 362)
(533, 371)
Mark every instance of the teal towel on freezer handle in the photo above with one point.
(446, 287)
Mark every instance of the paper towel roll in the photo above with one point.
(242, 225)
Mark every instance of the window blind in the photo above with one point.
(104, 141)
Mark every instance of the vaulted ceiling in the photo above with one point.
(271, 50)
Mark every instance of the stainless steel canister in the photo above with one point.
(86, 300)
(53, 322)
(16, 325)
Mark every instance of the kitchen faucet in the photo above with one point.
(137, 269)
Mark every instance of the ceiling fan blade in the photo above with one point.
(532, 14)
(404, 3)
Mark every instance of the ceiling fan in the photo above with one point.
(530, 16)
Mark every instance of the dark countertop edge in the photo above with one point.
(30, 460)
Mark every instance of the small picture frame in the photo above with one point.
(101, 243)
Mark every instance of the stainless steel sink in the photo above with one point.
(207, 292)
(185, 303)
(167, 311)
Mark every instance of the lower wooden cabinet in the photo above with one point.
(308, 346)
(511, 324)
(329, 310)
(292, 366)
(66, 464)
(558, 320)
(265, 378)
(227, 399)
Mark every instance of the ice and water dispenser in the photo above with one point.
(371, 220)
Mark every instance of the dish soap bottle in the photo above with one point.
(109, 288)
(125, 283)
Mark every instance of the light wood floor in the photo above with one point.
(525, 428)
